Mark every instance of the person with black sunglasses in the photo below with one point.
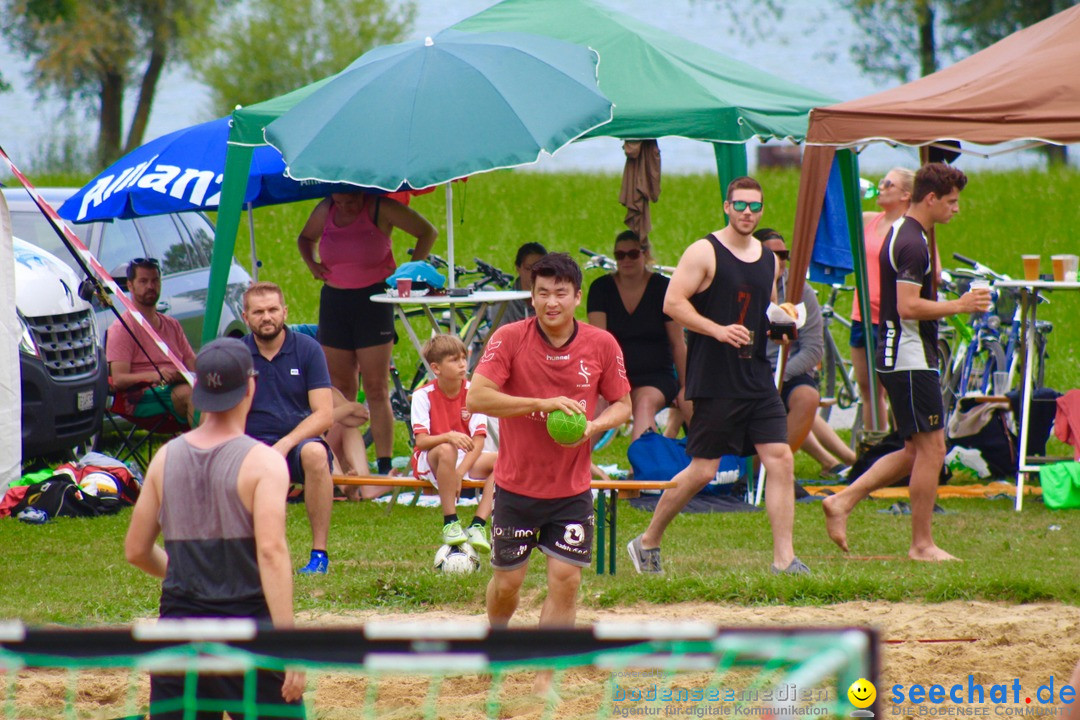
(149, 383)
(719, 293)
(629, 304)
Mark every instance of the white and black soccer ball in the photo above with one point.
(457, 559)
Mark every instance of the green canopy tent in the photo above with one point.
(662, 85)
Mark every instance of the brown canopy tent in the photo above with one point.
(1024, 87)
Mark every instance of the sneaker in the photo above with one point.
(453, 534)
(33, 516)
(477, 535)
(645, 561)
(836, 472)
(319, 564)
(797, 567)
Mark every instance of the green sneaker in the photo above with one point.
(452, 534)
(477, 535)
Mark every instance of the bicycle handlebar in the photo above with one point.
(493, 273)
(965, 260)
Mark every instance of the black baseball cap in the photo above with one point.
(222, 369)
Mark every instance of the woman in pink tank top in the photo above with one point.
(346, 244)
(894, 197)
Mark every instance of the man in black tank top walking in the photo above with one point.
(719, 292)
(218, 497)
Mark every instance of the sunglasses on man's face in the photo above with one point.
(741, 205)
(627, 254)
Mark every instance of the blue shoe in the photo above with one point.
(319, 564)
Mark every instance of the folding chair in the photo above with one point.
(137, 434)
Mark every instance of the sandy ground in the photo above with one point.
(925, 644)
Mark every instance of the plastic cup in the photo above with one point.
(404, 287)
(1031, 266)
(747, 351)
(1001, 383)
(1070, 262)
(1058, 263)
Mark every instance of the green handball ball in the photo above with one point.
(565, 428)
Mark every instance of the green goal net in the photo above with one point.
(443, 669)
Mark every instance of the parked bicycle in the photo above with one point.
(990, 343)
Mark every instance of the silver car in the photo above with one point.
(182, 242)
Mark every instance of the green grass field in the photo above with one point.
(74, 572)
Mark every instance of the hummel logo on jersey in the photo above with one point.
(558, 357)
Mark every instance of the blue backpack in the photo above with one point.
(655, 457)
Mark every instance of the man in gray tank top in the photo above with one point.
(217, 497)
(719, 293)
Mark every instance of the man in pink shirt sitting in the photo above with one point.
(151, 384)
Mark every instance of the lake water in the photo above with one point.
(797, 49)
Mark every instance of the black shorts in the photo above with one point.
(733, 426)
(296, 467)
(349, 320)
(665, 382)
(561, 527)
(915, 398)
(167, 693)
(858, 333)
(797, 381)
(213, 687)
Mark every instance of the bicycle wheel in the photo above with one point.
(979, 367)
(605, 439)
(947, 377)
(830, 366)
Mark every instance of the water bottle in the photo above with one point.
(34, 516)
(868, 189)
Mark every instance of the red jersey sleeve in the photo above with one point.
(613, 384)
(498, 356)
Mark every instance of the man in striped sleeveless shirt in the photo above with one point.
(217, 497)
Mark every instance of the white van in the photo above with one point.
(64, 374)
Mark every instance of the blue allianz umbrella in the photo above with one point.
(182, 171)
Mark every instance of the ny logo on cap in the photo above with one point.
(213, 379)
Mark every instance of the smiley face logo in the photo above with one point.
(862, 693)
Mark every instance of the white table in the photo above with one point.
(479, 301)
(1029, 299)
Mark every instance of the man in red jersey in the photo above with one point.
(542, 489)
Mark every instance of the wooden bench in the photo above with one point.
(609, 492)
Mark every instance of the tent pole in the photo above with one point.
(237, 167)
(730, 164)
(251, 240)
(849, 174)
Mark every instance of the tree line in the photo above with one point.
(90, 53)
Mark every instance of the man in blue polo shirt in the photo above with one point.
(293, 407)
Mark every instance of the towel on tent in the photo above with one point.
(831, 260)
(640, 184)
